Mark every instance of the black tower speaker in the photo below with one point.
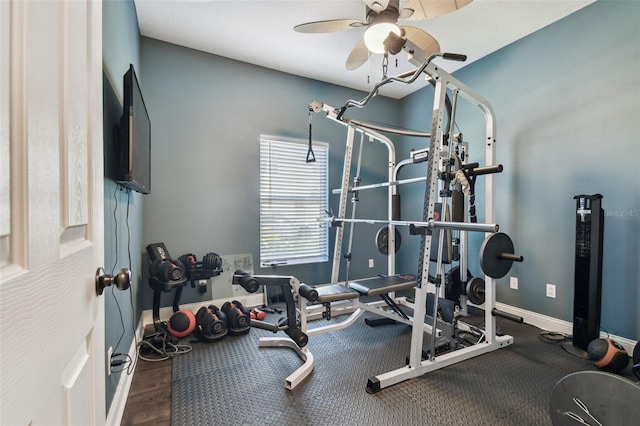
(588, 270)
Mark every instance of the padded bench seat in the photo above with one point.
(335, 292)
(382, 285)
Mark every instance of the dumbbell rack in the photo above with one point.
(159, 287)
(208, 268)
(158, 251)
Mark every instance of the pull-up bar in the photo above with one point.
(405, 78)
(363, 126)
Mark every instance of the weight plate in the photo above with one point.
(211, 261)
(382, 240)
(475, 291)
(188, 260)
(490, 262)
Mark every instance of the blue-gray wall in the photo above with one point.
(207, 114)
(567, 101)
(123, 244)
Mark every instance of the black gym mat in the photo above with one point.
(234, 382)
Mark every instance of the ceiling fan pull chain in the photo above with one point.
(385, 64)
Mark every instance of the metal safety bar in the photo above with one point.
(383, 184)
(431, 224)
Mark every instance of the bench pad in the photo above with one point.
(381, 285)
(335, 292)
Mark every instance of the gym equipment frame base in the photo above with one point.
(377, 383)
(298, 376)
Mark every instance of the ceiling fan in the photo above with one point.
(383, 35)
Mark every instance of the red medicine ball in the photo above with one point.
(608, 355)
(181, 323)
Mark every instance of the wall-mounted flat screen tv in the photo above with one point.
(133, 138)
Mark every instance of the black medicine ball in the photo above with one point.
(608, 355)
(181, 323)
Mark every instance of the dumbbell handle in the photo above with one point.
(511, 256)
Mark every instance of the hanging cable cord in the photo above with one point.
(121, 361)
(131, 365)
(115, 223)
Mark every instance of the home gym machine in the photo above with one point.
(444, 172)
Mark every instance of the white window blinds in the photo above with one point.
(293, 195)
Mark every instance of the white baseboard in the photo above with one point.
(553, 324)
(116, 410)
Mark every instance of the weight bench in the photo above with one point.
(382, 286)
(298, 334)
(375, 286)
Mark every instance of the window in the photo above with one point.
(293, 196)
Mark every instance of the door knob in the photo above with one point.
(122, 280)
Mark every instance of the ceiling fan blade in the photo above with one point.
(422, 39)
(328, 26)
(426, 9)
(359, 55)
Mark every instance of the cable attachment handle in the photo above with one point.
(311, 158)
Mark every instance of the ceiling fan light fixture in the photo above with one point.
(376, 34)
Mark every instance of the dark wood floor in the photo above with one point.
(149, 400)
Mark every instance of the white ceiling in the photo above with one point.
(261, 32)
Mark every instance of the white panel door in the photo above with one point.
(51, 224)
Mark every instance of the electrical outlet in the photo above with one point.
(109, 353)
(513, 283)
(551, 290)
(370, 263)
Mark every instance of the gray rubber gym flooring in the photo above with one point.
(234, 382)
